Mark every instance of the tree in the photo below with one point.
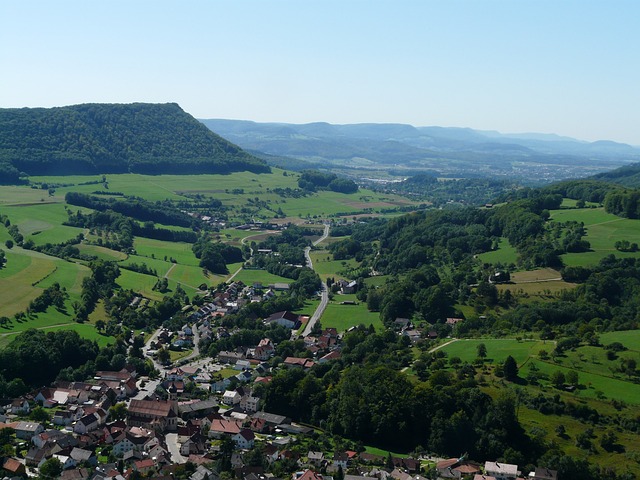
(557, 379)
(51, 469)
(9, 244)
(164, 356)
(510, 368)
(572, 378)
(39, 415)
(118, 411)
(482, 350)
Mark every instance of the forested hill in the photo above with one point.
(629, 176)
(114, 138)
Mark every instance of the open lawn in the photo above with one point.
(505, 254)
(157, 249)
(376, 281)
(102, 253)
(628, 338)
(498, 349)
(42, 223)
(342, 317)
(325, 266)
(88, 331)
(603, 231)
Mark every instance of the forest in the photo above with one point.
(114, 138)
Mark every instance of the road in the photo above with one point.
(174, 448)
(324, 294)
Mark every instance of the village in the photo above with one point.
(181, 422)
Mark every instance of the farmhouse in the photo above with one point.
(286, 319)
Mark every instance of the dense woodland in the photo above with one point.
(114, 138)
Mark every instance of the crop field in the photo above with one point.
(342, 317)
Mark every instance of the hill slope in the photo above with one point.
(629, 176)
(115, 138)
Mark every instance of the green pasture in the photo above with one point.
(192, 276)
(342, 317)
(613, 388)
(88, 331)
(24, 195)
(325, 266)
(505, 254)
(159, 249)
(498, 349)
(140, 283)
(18, 277)
(603, 231)
(160, 266)
(628, 338)
(249, 277)
(376, 281)
(42, 223)
(103, 253)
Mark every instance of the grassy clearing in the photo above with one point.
(17, 281)
(103, 253)
(376, 281)
(158, 249)
(628, 338)
(498, 349)
(505, 254)
(86, 331)
(175, 355)
(42, 223)
(603, 230)
(326, 267)
(342, 317)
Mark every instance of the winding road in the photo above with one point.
(324, 296)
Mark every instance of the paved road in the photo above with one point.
(174, 448)
(196, 349)
(324, 295)
(147, 347)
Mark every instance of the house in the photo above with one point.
(27, 430)
(86, 424)
(230, 357)
(249, 403)
(296, 362)
(315, 458)
(340, 459)
(348, 287)
(401, 323)
(80, 455)
(479, 476)
(244, 439)
(542, 473)
(332, 355)
(144, 466)
(265, 350)
(66, 461)
(153, 414)
(306, 475)
(271, 419)
(194, 445)
(242, 365)
(501, 471)
(14, 467)
(231, 397)
(285, 318)
(454, 321)
(220, 427)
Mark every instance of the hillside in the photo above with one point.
(629, 176)
(114, 138)
(449, 151)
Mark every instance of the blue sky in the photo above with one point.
(552, 66)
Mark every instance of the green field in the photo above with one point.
(505, 254)
(603, 230)
(102, 253)
(41, 223)
(342, 317)
(498, 349)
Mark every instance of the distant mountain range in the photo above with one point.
(114, 138)
(449, 151)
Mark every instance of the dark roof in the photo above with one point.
(285, 314)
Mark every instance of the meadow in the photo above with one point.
(344, 316)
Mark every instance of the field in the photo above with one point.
(603, 230)
(342, 317)
(326, 267)
(498, 349)
(505, 254)
(540, 282)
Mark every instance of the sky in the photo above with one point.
(550, 66)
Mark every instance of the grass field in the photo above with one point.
(544, 281)
(603, 230)
(102, 253)
(41, 223)
(498, 349)
(505, 254)
(343, 317)
(325, 266)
